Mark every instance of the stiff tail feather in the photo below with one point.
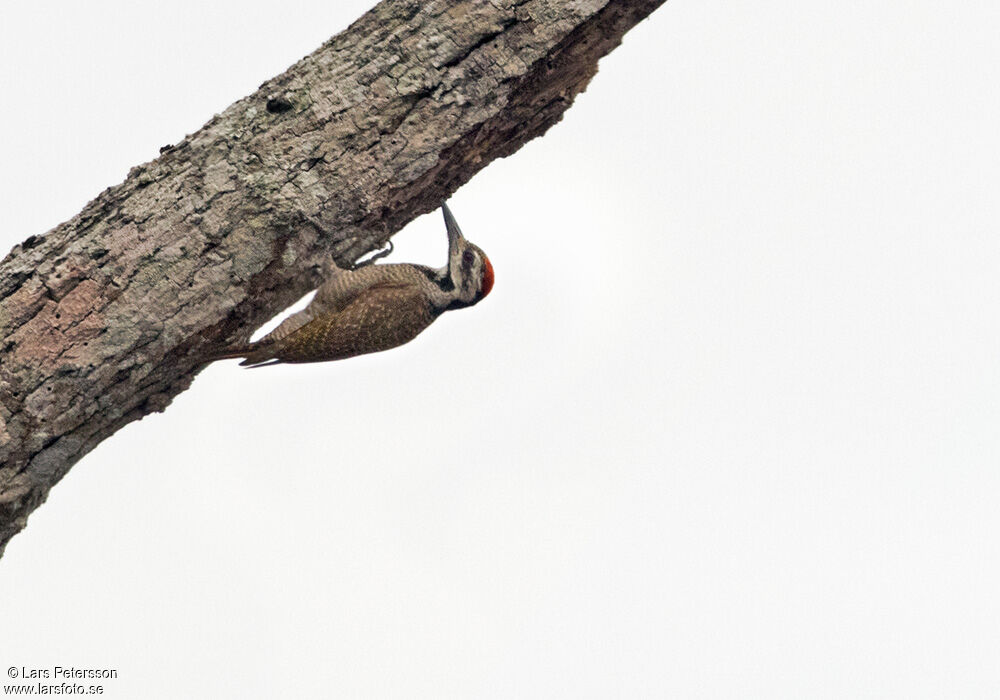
(231, 354)
(252, 356)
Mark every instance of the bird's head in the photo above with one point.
(469, 270)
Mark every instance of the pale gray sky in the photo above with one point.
(726, 426)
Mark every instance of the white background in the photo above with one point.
(726, 427)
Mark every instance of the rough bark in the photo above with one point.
(108, 316)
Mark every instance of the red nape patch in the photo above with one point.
(487, 277)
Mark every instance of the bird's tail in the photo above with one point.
(252, 355)
(230, 353)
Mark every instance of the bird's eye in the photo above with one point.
(468, 257)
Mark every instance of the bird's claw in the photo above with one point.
(375, 256)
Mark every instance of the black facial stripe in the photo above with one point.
(443, 283)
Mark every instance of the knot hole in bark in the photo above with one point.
(277, 105)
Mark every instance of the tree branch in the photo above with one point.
(108, 316)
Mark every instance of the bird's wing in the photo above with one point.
(343, 288)
(386, 315)
(288, 326)
(332, 297)
(391, 299)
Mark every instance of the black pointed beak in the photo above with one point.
(454, 232)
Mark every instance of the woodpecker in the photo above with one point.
(375, 307)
